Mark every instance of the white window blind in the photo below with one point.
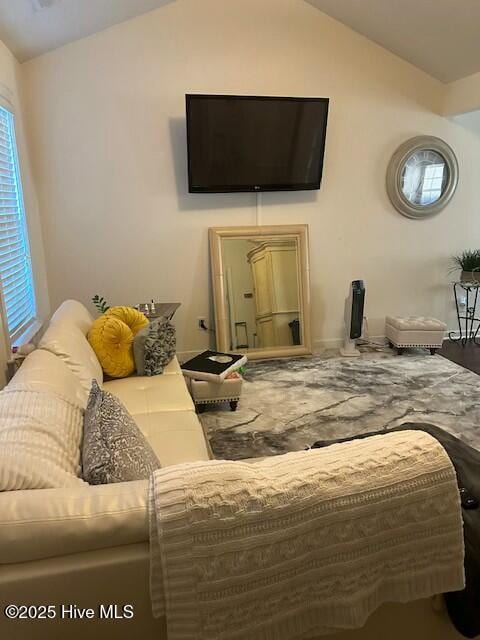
(15, 263)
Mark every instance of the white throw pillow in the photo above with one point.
(44, 371)
(40, 438)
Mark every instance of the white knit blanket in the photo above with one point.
(304, 543)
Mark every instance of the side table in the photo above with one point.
(158, 309)
(467, 329)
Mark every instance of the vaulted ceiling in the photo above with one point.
(442, 37)
(32, 27)
(439, 36)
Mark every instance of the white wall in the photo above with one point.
(470, 121)
(10, 87)
(462, 95)
(106, 118)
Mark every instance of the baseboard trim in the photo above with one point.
(320, 344)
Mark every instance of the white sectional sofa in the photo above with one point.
(88, 545)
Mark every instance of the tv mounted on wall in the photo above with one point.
(255, 143)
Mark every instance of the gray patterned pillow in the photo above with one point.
(154, 347)
(114, 449)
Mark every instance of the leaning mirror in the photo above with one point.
(422, 176)
(261, 290)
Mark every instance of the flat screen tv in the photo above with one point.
(253, 143)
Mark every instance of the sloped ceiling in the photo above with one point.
(32, 27)
(442, 37)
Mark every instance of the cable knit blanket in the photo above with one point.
(303, 543)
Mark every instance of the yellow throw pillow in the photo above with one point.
(112, 341)
(130, 316)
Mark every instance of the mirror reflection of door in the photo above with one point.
(262, 292)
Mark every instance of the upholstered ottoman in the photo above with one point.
(204, 393)
(414, 331)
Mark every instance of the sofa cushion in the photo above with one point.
(175, 436)
(173, 367)
(141, 394)
(114, 448)
(40, 436)
(57, 522)
(68, 343)
(44, 371)
(72, 312)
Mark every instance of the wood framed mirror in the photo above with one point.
(261, 288)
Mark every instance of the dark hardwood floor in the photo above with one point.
(467, 356)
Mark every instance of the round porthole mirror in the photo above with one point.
(422, 176)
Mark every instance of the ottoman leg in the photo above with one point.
(400, 350)
(433, 351)
(233, 405)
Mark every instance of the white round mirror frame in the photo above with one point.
(395, 171)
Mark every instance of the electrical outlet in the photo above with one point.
(202, 323)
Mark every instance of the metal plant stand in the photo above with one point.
(468, 322)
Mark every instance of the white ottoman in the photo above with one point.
(415, 331)
(204, 393)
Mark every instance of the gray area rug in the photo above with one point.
(287, 405)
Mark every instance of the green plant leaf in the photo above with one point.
(100, 303)
(468, 260)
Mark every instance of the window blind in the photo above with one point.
(15, 264)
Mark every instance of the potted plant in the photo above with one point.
(469, 262)
(100, 303)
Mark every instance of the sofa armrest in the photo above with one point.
(44, 523)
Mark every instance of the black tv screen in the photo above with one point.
(252, 143)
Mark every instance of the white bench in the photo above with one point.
(204, 392)
(414, 331)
